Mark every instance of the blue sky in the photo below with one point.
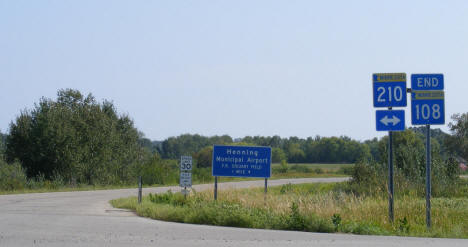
(288, 68)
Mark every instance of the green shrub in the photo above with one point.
(301, 168)
(295, 221)
(283, 167)
(12, 176)
(174, 199)
(202, 174)
(336, 220)
(345, 170)
(319, 170)
(286, 188)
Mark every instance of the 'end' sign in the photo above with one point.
(427, 81)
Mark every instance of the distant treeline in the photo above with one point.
(293, 149)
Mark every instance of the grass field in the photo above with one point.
(308, 207)
(292, 171)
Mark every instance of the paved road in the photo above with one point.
(86, 219)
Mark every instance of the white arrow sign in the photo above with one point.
(394, 120)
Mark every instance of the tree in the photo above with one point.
(77, 138)
(187, 144)
(457, 143)
(2, 144)
(277, 155)
(204, 157)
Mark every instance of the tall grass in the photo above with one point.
(310, 207)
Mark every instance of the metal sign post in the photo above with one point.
(390, 176)
(140, 184)
(390, 91)
(216, 189)
(428, 176)
(427, 107)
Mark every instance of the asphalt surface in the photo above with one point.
(85, 218)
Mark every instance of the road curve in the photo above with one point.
(85, 218)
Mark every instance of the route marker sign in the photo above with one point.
(390, 120)
(427, 107)
(427, 99)
(389, 89)
(241, 161)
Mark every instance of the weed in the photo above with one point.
(336, 220)
(403, 225)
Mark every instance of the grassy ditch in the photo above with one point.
(307, 207)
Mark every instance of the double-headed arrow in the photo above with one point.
(394, 120)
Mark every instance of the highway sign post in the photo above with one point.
(185, 173)
(241, 161)
(427, 107)
(389, 91)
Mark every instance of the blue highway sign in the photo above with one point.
(241, 161)
(390, 120)
(427, 82)
(427, 107)
(389, 89)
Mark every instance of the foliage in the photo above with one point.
(437, 135)
(283, 167)
(457, 143)
(204, 157)
(174, 147)
(2, 144)
(308, 207)
(278, 155)
(336, 220)
(293, 149)
(371, 176)
(155, 171)
(76, 137)
(12, 176)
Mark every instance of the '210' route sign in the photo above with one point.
(389, 89)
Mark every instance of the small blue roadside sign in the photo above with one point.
(427, 82)
(427, 107)
(389, 89)
(390, 120)
(241, 161)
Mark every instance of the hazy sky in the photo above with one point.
(288, 68)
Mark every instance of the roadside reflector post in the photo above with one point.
(139, 189)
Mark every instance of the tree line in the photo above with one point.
(293, 149)
(77, 139)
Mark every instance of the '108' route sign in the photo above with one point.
(427, 99)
